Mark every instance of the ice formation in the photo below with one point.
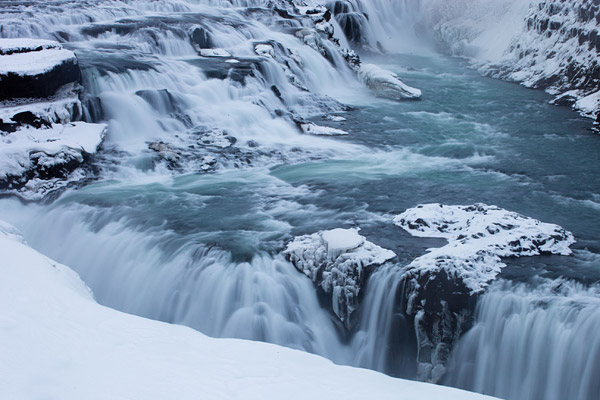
(386, 83)
(337, 261)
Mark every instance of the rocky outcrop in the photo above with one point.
(34, 68)
(440, 287)
(337, 261)
(42, 140)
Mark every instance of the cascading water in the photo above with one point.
(156, 236)
(532, 344)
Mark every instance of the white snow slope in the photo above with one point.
(56, 342)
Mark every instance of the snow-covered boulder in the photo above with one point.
(34, 68)
(34, 161)
(314, 129)
(57, 342)
(386, 84)
(441, 285)
(337, 261)
(478, 235)
(41, 142)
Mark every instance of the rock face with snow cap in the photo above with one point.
(42, 140)
(34, 68)
(440, 287)
(336, 260)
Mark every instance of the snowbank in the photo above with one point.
(314, 129)
(57, 342)
(386, 83)
(336, 261)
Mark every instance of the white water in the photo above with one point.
(532, 344)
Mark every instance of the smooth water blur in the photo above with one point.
(529, 343)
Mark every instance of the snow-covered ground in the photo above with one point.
(58, 343)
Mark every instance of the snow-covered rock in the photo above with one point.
(314, 129)
(41, 146)
(441, 286)
(386, 83)
(35, 161)
(337, 261)
(478, 236)
(265, 50)
(32, 68)
(57, 342)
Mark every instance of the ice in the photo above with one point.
(313, 129)
(336, 260)
(216, 53)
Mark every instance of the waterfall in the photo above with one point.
(165, 272)
(385, 340)
(531, 344)
(381, 25)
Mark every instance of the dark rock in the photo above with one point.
(13, 85)
(202, 38)
(29, 118)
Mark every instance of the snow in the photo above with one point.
(21, 45)
(335, 260)
(313, 129)
(478, 236)
(35, 62)
(57, 109)
(335, 118)
(58, 343)
(216, 53)
(589, 104)
(265, 50)
(339, 241)
(386, 83)
(73, 139)
(551, 44)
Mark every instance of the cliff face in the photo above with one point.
(548, 44)
(559, 50)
